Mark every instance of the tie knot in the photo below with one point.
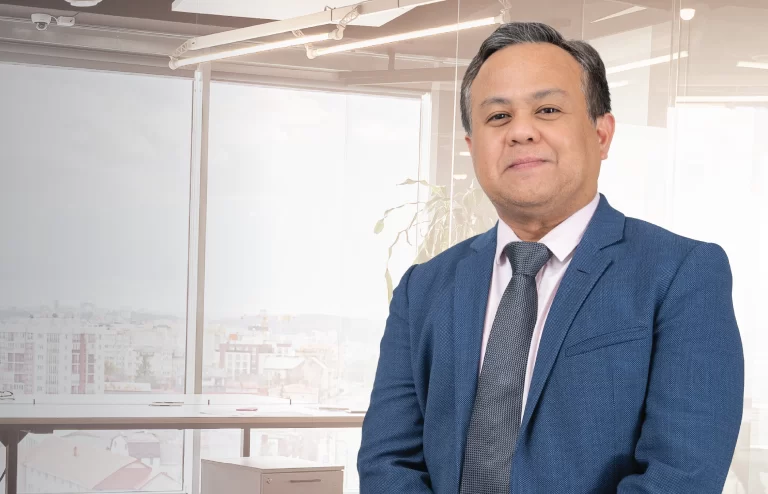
(527, 258)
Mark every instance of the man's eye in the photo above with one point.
(549, 110)
(498, 116)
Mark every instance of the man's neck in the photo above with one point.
(530, 231)
(532, 226)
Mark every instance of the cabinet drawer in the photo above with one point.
(329, 482)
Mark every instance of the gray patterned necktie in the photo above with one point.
(496, 414)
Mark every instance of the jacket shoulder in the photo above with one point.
(442, 267)
(645, 236)
(655, 250)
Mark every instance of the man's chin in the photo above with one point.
(535, 201)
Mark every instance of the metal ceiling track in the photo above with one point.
(329, 16)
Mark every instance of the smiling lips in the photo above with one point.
(526, 162)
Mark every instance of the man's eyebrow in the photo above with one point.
(495, 100)
(538, 95)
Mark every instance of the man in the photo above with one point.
(569, 349)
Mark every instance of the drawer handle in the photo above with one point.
(305, 481)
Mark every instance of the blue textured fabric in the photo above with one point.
(639, 377)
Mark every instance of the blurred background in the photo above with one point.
(271, 231)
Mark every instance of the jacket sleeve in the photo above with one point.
(391, 455)
(694, 400)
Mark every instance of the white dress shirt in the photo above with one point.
(561, 241)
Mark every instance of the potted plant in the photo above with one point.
(442, 221)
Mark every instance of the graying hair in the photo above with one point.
(594, 83)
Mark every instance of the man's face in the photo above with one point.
(534, 147)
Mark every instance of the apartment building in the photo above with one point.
(51, 355)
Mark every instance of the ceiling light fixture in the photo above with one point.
(752, 65)
(687, 14)
(423, 33)
(630, 10)
(249, 50)
(84, 3)
(645, 63)
(326, 17)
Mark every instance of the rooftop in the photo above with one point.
(86, 466)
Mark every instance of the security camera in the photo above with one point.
(41, 21)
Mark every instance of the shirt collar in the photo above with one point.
(561, 241)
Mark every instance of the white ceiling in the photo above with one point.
(279, 10)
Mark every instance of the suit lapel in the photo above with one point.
(588, 265)
(473, 280)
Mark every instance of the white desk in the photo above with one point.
(108, 412)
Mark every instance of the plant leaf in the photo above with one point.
(379, 226)
(411, 181)
(465, 213)
(422, 256)
(388, 277)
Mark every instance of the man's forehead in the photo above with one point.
(531, 52)
(528, 71)
(530, 60)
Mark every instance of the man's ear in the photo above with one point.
(605, 126)
(468, 140)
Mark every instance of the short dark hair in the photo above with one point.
(594, 83)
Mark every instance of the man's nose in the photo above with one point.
(522, 130)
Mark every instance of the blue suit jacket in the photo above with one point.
(638, 383)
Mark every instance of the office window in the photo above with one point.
(295, 272)
(94, 200)
(124, 461)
